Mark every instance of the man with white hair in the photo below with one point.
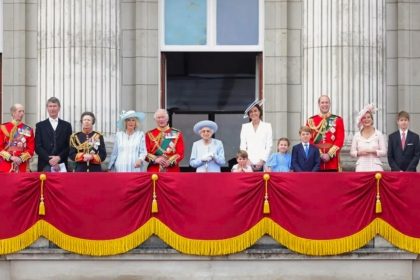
(17, 142)
(165, 145)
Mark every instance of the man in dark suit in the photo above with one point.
(305, 156)
(403, 146)
(52, 138)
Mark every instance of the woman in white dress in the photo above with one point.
(129, 149)
(368, 144)
(207, 154)
(256, 136)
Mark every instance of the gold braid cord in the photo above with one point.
(4, 129)
(319, 129)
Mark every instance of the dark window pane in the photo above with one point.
(210, 81)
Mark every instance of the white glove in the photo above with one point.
(207, 157)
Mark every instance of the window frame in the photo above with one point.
(211, 45)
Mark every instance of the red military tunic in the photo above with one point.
(16, 139)
(167, 142)
(328, 136)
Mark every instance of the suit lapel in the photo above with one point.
(408, 139)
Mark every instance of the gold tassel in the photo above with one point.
(41, 210)
(155, 208)
(266, 208)
(378, 208)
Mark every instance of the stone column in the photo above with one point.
(343, 45)
(78, 51)
(20, 58)
(147, 60)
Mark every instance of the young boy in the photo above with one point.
(243, 162)
(305, 156)
(403, 146)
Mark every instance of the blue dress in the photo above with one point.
(200, 151)
(279, 162)
(127, 149)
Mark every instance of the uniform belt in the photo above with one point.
(324, 145)
(15, 149)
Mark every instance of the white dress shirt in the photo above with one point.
(54, 123)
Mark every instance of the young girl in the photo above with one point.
(243, 162)
(280, 161)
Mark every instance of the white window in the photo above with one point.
(211, 25)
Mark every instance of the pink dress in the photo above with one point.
(370, 162)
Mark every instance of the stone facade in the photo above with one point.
(299, 38)
(31, 73)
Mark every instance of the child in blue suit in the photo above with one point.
(305, 156)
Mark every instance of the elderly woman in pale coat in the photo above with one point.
(207, 154)
(368, 144)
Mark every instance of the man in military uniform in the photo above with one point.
(327, 135)
(165, 145)
(17, 142)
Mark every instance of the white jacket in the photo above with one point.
(258, 142)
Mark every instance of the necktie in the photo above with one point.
(403, 141)
(306, 150)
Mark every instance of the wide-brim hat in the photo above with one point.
(206, 123)
(129, 114)
(368, 108)
(252, 105)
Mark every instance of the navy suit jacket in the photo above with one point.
(301, 163)
(407, 159)
(52, 143)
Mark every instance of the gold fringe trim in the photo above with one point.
(398, 239)
(210, 247)
(97, 247)
(21, 241)
(321, 247)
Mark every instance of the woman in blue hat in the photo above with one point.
(207, 153)
(129, 149)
